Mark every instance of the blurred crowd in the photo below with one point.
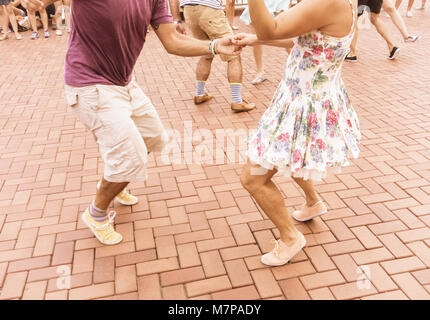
(15, 18)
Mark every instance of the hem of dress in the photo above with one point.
(304, 173)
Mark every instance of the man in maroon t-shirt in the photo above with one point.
(106, 39)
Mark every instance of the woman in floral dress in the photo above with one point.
(310, 127)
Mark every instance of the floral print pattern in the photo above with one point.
(310, 125)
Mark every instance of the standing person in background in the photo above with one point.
(388, 6)
(230, 11)
(275, 7)
(409, 10)
(374, 6)
(59, 7)
(6, 16)
(33, 22)
(207, 21)
(423, 5)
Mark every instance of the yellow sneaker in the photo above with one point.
(104, 231)
(124, 197)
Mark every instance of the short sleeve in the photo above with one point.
(161, 13)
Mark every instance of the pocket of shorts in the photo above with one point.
(84, 101)
(71, 97)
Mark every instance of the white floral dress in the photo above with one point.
(310, 125)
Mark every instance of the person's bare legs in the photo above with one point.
(410, 4)
(57, 17)
(308, 188)
(398, 21)
(67, 14)
(203, 68)
(107, 192)
(258, 57)
(382, 29)
(259, 184)
(44, 19)
(353, 45)
(229, 11)
(234, 71)
(12, 18)
(4, 21)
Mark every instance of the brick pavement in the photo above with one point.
(196, 234)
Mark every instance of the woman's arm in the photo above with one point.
(306, 16)
(246, 39)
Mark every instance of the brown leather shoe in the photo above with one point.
(202, 99)
(241, 107)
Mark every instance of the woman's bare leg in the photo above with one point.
(398, 21)
(44, 18)
(12, 19)
(258, 182)
(32, 18)
(308, 188)
(258, 57)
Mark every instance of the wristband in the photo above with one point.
(212, 47)
(177, 21)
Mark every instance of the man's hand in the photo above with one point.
(181, 28)
(244, 39)
(227, 47)
(35, 5)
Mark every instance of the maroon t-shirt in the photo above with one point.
(107, 37)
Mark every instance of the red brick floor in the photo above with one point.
(196, 233)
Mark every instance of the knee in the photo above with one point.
(389, 10)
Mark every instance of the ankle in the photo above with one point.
(311, 201)
(289, 238)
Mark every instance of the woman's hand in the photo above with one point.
(227, 46)
(245, 39)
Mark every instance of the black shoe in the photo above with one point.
(394, 53)
(351, 59)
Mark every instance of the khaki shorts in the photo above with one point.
(125, 125)
(207, 23)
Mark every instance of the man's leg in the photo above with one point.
(382, 29)
(203, 70)
(107, 192)
(192, 17)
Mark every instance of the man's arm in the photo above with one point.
(182, 45)
(36, 5)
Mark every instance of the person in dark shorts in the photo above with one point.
(373, 7)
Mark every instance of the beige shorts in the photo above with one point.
(207, 23)
(125, 125)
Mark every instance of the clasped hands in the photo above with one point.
(232, 45)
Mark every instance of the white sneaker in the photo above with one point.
(409, 14)
(58, 32)
(421, 7)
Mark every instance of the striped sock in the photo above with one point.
(236, 92)
(98, 214)
(200, 88)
